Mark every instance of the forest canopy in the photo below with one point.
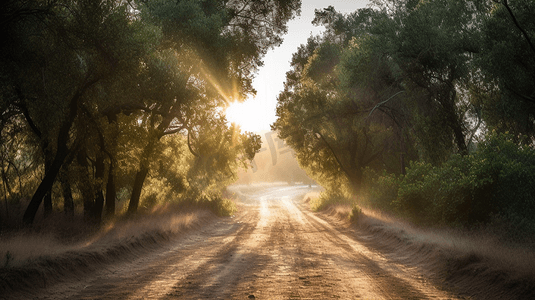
(422, 108)
(110, 105)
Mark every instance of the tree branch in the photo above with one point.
(189, 146)
(26, 114)
(335, 156)
(383, 102)
(526, 36)
(174, 130)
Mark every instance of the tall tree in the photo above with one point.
(216, 47)
(433, 44)
(56, 54)
(329, 114)
(507, 60)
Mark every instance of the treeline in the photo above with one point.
(105, 102)
(274, 162)
(422, 108)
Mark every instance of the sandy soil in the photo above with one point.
(274, 248)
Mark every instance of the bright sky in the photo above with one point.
(257, 114)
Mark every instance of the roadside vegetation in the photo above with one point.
(422, 109)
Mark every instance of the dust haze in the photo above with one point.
(275, 162)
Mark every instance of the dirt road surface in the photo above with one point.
(273, 248)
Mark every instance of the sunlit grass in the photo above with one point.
(482, 245)
(325, 200)
(19, 248)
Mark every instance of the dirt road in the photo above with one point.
(274, 248)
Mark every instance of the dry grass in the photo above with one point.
(311, 196)
(482, 243)
(476, 263)
(48, 252)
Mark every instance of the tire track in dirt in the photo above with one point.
(395, 281)
(301, 265)
(153, 276)
(220, 276)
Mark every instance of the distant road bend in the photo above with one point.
(274, 248)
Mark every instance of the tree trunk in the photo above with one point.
(96, 209)
(403, 170)
(47, 202)
(144, 163)
(454, 122)
(68, 203)
(87, 188)
(111, 192)
(355, 180)
(96, 212)
(7, 189)
(61, 153)
(136, 189)
(459, 139)
(44, 187)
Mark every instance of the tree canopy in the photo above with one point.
(92, 92)
(428, 82)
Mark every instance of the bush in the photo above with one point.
(438, 195)
(213, 201)
(328, 198)
(380, 190)
(496, 182)
(223, 207)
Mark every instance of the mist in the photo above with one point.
(276, 162)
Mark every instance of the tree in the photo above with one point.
(57, 54)
(507, 61)
(82, 75)
(433, 44)
(331, 116)
(217, 47)
(219, 150)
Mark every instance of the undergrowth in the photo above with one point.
(328, 198)
(493, 186)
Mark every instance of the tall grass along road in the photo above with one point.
(273, 248)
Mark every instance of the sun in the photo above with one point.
(250, 115)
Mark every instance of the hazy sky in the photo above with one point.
(258, 113)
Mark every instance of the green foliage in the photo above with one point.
(380, 189)
(329, 198)
(329, 116)
(430, 194)
(219, 151)
(434, 82)
(495, 182)
(90, 89)
(220, 206)
(508, 65)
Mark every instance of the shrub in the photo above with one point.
(223, 207)
(496, 182)
(380, 190)
(416, 191)
(328, 198)
(356, 214)
(512, 170)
